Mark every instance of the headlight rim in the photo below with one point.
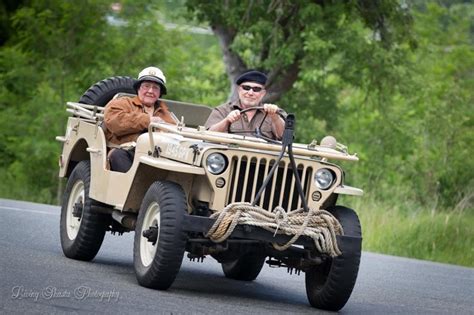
(222, 168)
(330, 183)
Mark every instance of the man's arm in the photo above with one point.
(219, 121)
(120, 119)
(278, 124)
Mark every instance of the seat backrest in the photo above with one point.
(194, 114)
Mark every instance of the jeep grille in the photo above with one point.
(247, 178)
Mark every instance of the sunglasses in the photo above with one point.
(256, 89)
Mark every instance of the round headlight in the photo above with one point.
(324, 178)
(216, 163)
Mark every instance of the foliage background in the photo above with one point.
(407, 110)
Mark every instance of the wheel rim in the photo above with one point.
(147, 248)
(73, 223)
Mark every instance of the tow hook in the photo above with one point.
(151, 234)
(273, 263)
(77, 209)
(198, 258)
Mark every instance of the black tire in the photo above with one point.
(103, 91)
(245, 268)
(82, 233)
(156, 265)
(329, 285)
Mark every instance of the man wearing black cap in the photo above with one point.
(251, 90)
(126, 118)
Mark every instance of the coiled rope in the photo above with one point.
(320, 225)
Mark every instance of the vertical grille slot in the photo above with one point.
(306, 175)
(248, 174)
(263, 170)
(236, 181)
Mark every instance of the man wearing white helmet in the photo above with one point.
(128, 117)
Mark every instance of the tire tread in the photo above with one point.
(93, 226)
(103, 91)
(172, 240)
(341, 278)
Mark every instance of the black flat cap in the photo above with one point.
(252, 76)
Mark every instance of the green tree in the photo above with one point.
(283, 37)
(59, 49)
(417, 137)
(443, 106)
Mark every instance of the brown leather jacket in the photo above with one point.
(125, 119)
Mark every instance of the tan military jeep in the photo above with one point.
(242, 200)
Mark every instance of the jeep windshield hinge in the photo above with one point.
(287, 145)
(196, 151)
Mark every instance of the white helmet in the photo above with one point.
(153, 74)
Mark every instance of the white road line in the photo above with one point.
(27, 210)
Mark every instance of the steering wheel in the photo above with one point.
(257, 132)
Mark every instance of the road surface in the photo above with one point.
(35, 277)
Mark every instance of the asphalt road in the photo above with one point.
(35, 277)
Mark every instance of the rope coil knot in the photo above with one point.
(281, 218)
(320, 225)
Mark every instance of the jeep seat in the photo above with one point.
(194, 114)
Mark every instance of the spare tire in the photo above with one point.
(103, 91)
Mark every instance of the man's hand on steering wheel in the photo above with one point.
(233, 116)
(270, 109)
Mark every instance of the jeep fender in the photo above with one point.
(348, 190)
(151, 169)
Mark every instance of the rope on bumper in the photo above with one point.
(320, 225)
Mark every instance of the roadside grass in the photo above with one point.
(17, 188)
(405, 230)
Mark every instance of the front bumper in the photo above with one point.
(245, 233)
